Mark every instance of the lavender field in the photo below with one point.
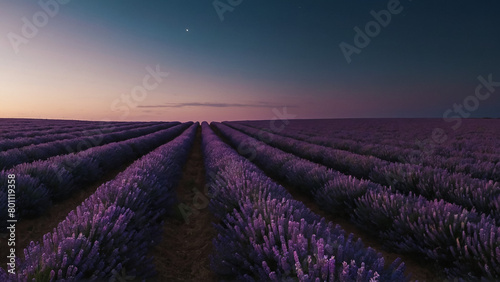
(299, 200)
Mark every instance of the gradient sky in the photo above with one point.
(264, 55)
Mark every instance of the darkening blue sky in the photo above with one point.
(264, 54)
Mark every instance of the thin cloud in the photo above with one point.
(215, 105)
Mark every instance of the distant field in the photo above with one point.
(306, 200)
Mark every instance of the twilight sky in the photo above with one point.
(241, 59)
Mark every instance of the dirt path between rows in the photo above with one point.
(183, 253)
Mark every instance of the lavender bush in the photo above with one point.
(48, 136)
(423, 180)
(16, 156)
(62, 175)
(442, 231)
(32, 198)
(266, 235)
(474, 154)
(465, 243)
(112, 231)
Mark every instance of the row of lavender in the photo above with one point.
(47, 136)
(466, 244)
(455, 157)
(459, 154)
(265, 235)
(110, 233)
(461, 138)
(10, 129)
(9, 126)
(432, 183)
(43, 151)
(41, 183)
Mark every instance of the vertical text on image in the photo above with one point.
(11, 222)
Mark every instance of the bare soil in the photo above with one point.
(183, 253)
